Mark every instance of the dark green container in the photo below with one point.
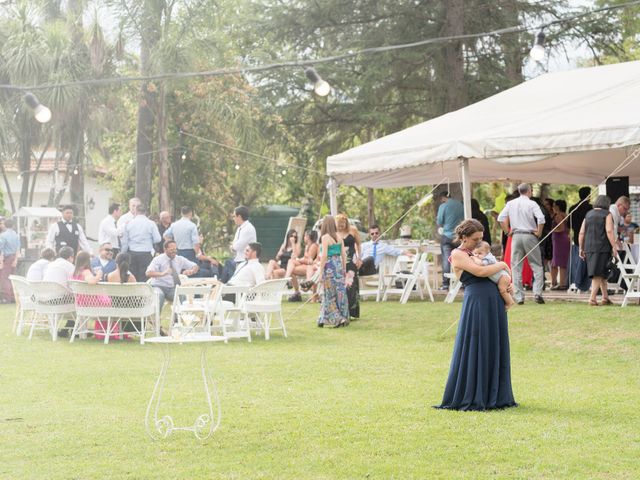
(271, 226)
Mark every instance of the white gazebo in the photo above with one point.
(575, 127)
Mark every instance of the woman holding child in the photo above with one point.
(480, 371)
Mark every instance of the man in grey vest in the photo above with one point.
(523, 220)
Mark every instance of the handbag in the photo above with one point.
(613, 272)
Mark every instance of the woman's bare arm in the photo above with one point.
(462, 261)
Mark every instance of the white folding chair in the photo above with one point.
(628, 265)
(263, 301)
(53, 302)
(120, 304)
(454, 287)
(408, 279)
(633, 284)
(25, 303)
(388, 265)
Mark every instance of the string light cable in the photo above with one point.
(318, 61)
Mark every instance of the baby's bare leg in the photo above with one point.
(503, 285)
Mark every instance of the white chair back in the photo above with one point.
(265, 297)
(126, 300)
(52, 298)
(23, 291)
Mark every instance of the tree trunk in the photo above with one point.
(456, 92)
(25, 168)
(150, 36)
(510, 44)
(164, 195)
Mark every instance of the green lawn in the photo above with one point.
(344, 403)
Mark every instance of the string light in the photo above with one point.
(42, 113)
(184, 156)
(284, 172)
(537, 52)
(237, 167)
(320, 86)
(131, 161)
(75, 171)
(308, 63)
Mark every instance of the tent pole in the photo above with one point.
(466, 186)
(332, 187)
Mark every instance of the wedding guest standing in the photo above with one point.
(561, 246)
(245, 234)
(450, 214)
(349, 236)
(480, 371)
(140, 235)
(334, 310)
(9, 252)
(108, 229)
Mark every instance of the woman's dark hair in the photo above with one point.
(602, 201)
(313, 235)
(562, 205)
(290, 234)
(123, 260)
(475, 206)
(83, 261)
(549, 201)
(466, 228)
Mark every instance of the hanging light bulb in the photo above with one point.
(42, 113)
(320, 86)
(20, 176)
(75, 171)
(537, 52)
(131, 161)
(284, 172)
(237, 167)
(184, 156)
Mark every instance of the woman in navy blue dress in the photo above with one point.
(480, 372)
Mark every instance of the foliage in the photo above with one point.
(324, 403)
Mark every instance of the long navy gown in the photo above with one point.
(480, 372)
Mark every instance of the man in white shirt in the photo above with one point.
(523, 220)
(61, 269)
(127, 217)
(245, 234)
(67, 233)
(108, 229)
(618, 212)
(37, 268)
(249, 272)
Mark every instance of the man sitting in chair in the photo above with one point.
(164, 271)
(104, 261)
(249, 272)
(374, 250)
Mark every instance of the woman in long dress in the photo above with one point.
(561, 246)
(480, 372)
(334, 310)
(351, 240)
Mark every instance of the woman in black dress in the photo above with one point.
(480, 372)
(351, 239)
(597, 245)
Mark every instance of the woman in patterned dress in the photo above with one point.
(334, 310)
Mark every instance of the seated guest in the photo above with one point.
(298, 266)
(289, 249)
(36, 270)
(61, 269)
(629, 228)
(374, 250)
(104, 261)
(122, 274)
(164, 270)
(208, 266)
(249, 272)
(83, 271)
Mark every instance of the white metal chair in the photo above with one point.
(628, 265)
(262, 302)
(633, 284)
(216, 307)
(53, 302)
(190, 307)
(409, 280)
(119, 303)
(25, 302)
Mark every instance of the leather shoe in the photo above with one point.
(521, 302)
(539, 299)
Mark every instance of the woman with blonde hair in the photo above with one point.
(334, 309)
(350, 237)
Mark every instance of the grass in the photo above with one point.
(324, 404)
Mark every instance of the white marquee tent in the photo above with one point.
(568, 127)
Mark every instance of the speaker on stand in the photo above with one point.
(617, 187)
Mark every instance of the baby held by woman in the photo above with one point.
(483, 256)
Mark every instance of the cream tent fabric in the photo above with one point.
(567, 127)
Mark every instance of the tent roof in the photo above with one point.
(567, 127)
(39, 212)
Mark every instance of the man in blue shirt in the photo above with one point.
(185, 233)
(450, 214)
(104, 261)
(9, 250)
(373, 251)
(139, 237)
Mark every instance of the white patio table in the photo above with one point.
(160, 427)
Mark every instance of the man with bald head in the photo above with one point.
(523, 220)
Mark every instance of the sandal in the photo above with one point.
(306, 285)
(593, 303)
(606, 301)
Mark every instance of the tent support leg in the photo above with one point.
(466, 186)
(332, 187)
